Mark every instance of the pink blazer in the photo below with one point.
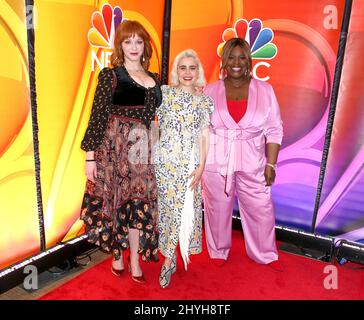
(241, 146)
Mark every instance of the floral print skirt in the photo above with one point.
(124, 195)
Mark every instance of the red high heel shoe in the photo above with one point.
(139, 279)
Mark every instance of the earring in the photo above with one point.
(143, 59)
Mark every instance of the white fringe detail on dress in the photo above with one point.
(188, 218)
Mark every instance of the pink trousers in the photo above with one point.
(256, 213)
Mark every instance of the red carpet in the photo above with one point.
(239, 279)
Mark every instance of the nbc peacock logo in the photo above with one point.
(259, 38)
(101, 35)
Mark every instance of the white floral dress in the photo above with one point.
(181, 118)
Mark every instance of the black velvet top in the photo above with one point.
(118, 93)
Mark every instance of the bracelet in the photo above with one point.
(274, 166)
(90, 160)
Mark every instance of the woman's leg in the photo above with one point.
(218, 208)
(168, 268)
(136, 271)
(118, 261)
(257, 217)
(167, 262)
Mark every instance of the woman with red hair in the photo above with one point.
(120, 203)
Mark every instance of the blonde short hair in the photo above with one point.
(189, 53)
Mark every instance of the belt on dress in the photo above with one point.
(234, 135)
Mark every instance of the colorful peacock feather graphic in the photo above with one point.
(259, 38)
(104, 24)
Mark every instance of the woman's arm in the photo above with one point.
(270, 168)
(207, 110)
(204, 149)
(98, 121)
(274, 135)
(99, 113)
(90, 166)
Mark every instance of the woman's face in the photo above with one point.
(237, 63)
(133, 48)
(187, 71)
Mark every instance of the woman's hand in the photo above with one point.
(196, 174)
(198, 91)
(90, 170)
(270, 175)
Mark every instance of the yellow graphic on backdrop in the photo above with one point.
(19, 236)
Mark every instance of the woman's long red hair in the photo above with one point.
(128, 29)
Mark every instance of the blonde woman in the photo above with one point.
(183, 118)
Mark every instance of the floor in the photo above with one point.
(49, 280)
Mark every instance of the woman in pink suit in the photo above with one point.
(245, 136)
